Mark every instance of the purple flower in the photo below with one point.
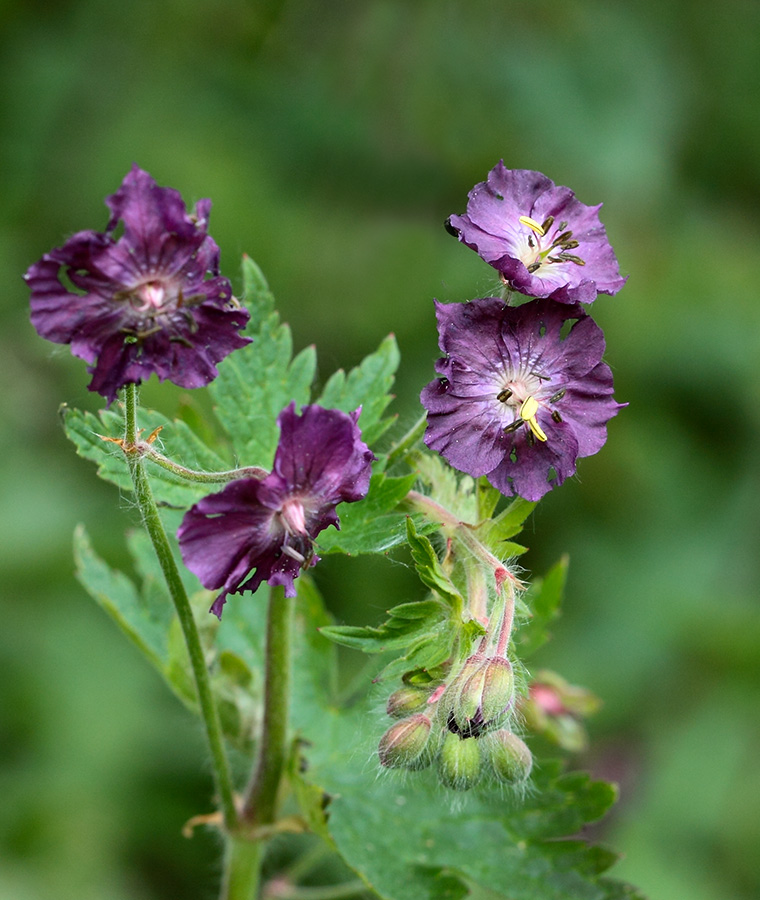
(517, 401)
(151, 300)
(543, 241)
(269, 526)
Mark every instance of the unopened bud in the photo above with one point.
(403, 744)
(459, 762)
(510, 758)
(447, 705)
(485, 697)
(406, 700)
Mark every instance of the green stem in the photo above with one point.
(155, 528)
(242, 868)
(146, 450)
(260, 806)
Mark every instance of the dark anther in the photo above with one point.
(568, 257)
(504, 395)
(558, 396)
(547, 224)
(534, 267)
(513, 426)
(556, 416)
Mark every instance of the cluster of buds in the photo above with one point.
(460, 726)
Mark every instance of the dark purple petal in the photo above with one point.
(254, 531)
(151, 301)
(497, 357)
(571, 262)
(321, 451)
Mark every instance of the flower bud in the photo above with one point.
(406, 700)
(447, 705)
(509, 756)
(403, 744)
(484, 697)
(459, 762)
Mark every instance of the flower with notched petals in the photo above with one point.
(542, 240)
(150, 300)
(269, 525)
(517, 400)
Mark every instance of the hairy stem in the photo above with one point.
(152, 455)
(155, 528)
(260, 806)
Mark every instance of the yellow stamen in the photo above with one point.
(528, 412)
(532, 223)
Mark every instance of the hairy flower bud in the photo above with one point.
(485, 693)
(403, 744)
(406, 700)
(459, 762)
(510, 758)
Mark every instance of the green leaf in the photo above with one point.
(255, 384)
(146, 615)
(371, 525)
(488, 497)
(258, 298)
(543, 598)
(452, 490)
(429, 568)
(176, 440)
(404, 626)
(367, 386)
(495, 533)
(143, 617)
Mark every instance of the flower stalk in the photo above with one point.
(260, 804)
(157, 534)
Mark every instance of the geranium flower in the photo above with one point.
(150, 300)
(269, 525)
(543, 241)
(517, 401)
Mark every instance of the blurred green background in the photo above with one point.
(334, 138)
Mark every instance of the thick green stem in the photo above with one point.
(155, 528)
(242, 869)
(260, 806)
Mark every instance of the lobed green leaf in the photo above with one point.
(367, 386)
